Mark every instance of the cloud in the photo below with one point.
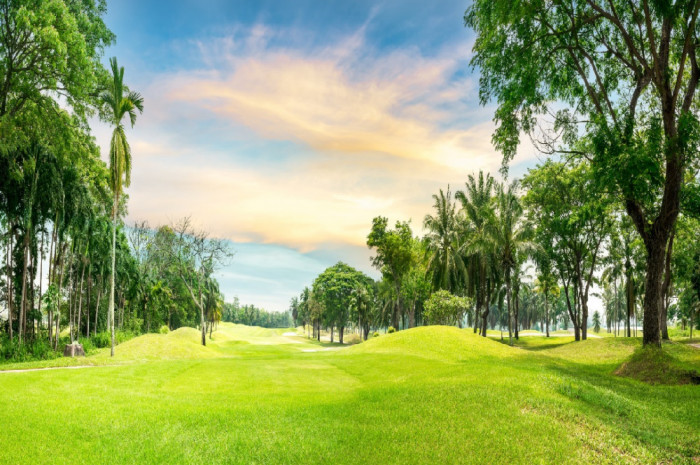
(274, 141)
(344, 97)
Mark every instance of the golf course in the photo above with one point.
(426, 395)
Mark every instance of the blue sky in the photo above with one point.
(286, 127)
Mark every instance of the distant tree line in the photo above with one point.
(251, 315)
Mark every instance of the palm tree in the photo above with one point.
(445, 263)
(119, 102)
(546, 284)
(596, 321)
(512, 237)
(477, 210)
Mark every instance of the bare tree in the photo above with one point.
(195, 257)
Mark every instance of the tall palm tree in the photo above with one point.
(445, 264)
(119, 102)
(512, 236)
(477, 211)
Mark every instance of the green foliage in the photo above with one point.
(596, 321)
(390, 330)
(376, 334)
(337, 290)
(251, 315)
(615, 78)
(164, 329)
(443, 308)
(104, 339)
(33, 349)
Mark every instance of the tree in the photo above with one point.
(624, 74)
(512, 239)
(194, 257)
(393, 257)
(294, 309)
(596, 321)
(478, 245)
(443, 308)
(337, 288)
(48, 49)
(546, 285)
(573, 219)
(445, 264)
(119, 102)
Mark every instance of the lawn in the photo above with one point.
(427, 395)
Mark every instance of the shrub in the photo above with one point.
(375, 334)
(32, 349)
(88, 345)
(390, 330)
(443, 308)
(104, 339)
(352, 339)
(164, 329)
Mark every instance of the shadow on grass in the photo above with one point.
(551, 343)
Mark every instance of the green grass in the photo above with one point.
(427, 395)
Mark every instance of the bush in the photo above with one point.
(443, 308)
(104, 339)
(88, 345)
(352, 339)
(390, 330)
(375, 334)
(36, 349)
(164, 329)
(101, 340)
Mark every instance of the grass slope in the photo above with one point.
(427, 395)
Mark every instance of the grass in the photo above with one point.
(426, 395)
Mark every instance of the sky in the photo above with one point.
(285, 127)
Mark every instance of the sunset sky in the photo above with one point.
(287, 126)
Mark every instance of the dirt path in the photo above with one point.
(697, 346)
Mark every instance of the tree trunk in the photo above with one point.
(331, 334)
(666, 289)
(110, 311)
(485, 314)
(22, 307)
(412, 316)
(341, 330)
(653, 294)
(516, 316)
(510, 313)
(41, 270)
(546, 312)
(80, 301)
(629, 294)
(10, 290)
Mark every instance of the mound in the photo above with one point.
(186, 333)
(656, 366)
(437, 342)
(181, 343)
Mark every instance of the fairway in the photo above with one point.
(426, 395)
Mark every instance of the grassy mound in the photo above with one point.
(656, 366)
(435, 342)
(181, 343)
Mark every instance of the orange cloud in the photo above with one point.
(381, 134)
